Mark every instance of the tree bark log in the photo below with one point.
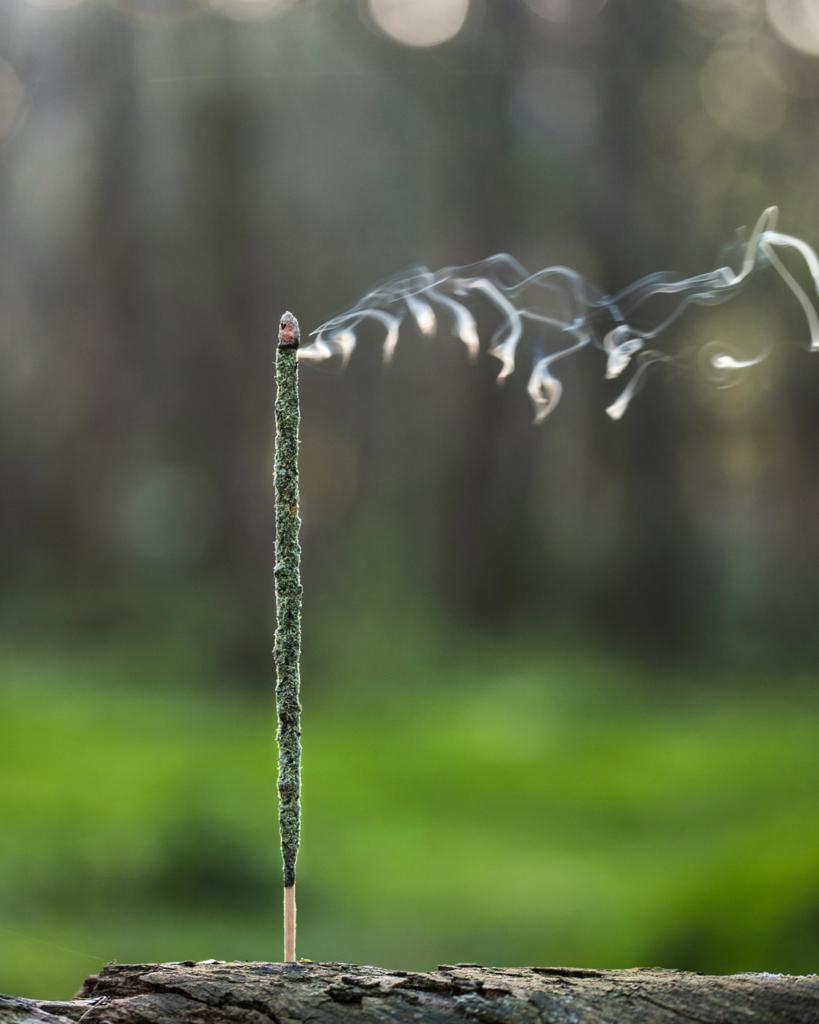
(213, 992)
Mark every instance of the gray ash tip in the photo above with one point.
(289, 333)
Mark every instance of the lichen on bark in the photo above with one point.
(287, 579)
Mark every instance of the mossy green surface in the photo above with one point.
(287, 649)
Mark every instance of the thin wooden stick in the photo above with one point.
(290, 922)
(287, 647)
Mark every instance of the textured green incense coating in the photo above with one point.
(288, 593)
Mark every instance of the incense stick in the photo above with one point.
(288, 613)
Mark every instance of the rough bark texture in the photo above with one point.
(322, 993)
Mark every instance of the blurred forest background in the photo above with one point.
(558, 682)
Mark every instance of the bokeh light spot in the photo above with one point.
(558, 105)
(170, 514)
(743, 93)
(420, 22)
(796, 22)
(251, 10)
(54, 5)
(721, 19)
(564, 11)
(168, 10)
(11, 97)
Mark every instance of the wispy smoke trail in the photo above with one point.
(558, 303)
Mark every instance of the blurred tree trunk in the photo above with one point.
(485, 539)
(642, 600)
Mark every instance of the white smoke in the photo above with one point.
(558, 301)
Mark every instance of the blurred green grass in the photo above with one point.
(565, 809)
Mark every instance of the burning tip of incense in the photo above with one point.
(289, 333)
